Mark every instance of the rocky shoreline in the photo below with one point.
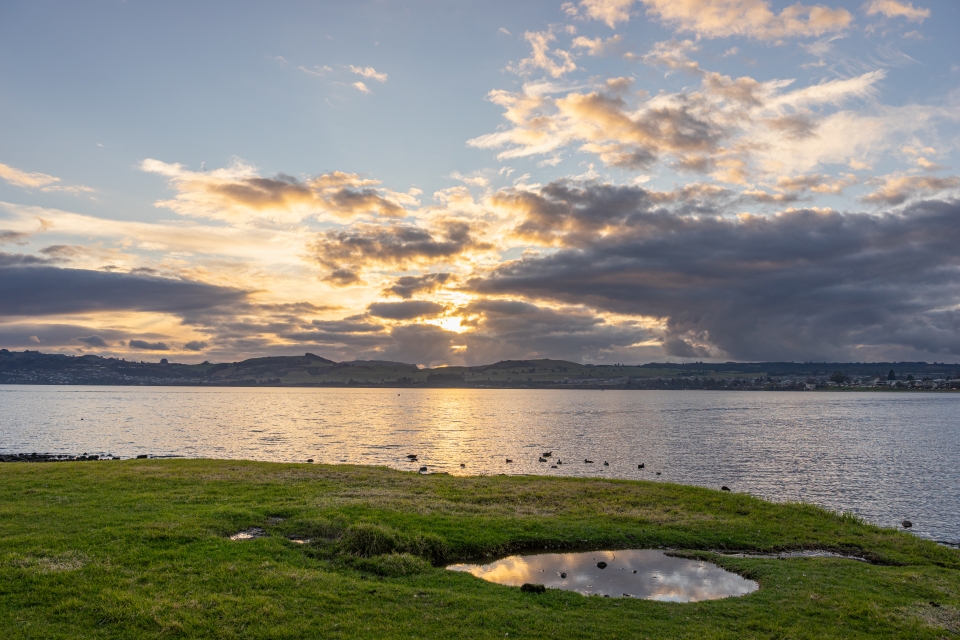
(51, 457)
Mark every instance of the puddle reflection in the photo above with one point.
(637, 573)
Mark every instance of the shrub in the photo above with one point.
(366, 540)
(428, 546)
(393, 565)
(319, 529)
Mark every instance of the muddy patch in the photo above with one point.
(939, 616)
(53, 563)
(249, 534)
(785, 555)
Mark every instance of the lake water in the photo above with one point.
(884, 456)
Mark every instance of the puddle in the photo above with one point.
(248, 534)
(635, 573)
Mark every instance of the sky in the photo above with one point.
(446, 183)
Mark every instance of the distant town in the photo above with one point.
(309, 370)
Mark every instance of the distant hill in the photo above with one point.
(310, 370)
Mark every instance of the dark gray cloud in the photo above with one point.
(565, 213)
(196, 345)
(41, 290)
(347, 252)
(148, 346)
(799, 285)
(19, 260)
(407, 310)
(15, 237)
(93, 341)
(17, 335)
(408, 286)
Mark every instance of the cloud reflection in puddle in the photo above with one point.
(638, 573)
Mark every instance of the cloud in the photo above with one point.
(196, 345)
(897, 189)
(319, 72)
(25, 179)
(54, 335)
(408, 286)
(407, 310)
(817, 183)
(491, 330)
(148, 346)
(610, 12)
(42, 181)
(800, 284)
(749, 18)
(44, 291)
(737, 130)
(674, 55)
(923, 163)
(368, 72)
(361, 87)
(725, 18)
(16, 237)
(20, 260)
(93, 341)
(556, 66)
(896, 9)
(348, 252)
(597, 46)
(238, 192)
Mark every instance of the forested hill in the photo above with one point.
(33, 367)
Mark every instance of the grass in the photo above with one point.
(141, 548)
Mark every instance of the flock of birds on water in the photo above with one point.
(413, 457)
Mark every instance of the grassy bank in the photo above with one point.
(140, 548)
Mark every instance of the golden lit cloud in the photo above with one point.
(725, 18)
(41, 181)
(609, 11)
(238, 192)
(554, 62)
(897, 189)
(368, 72)
(896, 9)
(597, 46)
(750, 18)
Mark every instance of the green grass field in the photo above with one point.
(141, 548)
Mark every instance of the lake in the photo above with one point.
(884, 456)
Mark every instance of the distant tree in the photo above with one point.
(838, 377)
(910, 376)
(891, 375)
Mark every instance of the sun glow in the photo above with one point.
(450, 323)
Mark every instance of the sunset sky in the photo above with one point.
(464, 182)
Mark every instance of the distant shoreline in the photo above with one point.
(598, 387)
(313, 371)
